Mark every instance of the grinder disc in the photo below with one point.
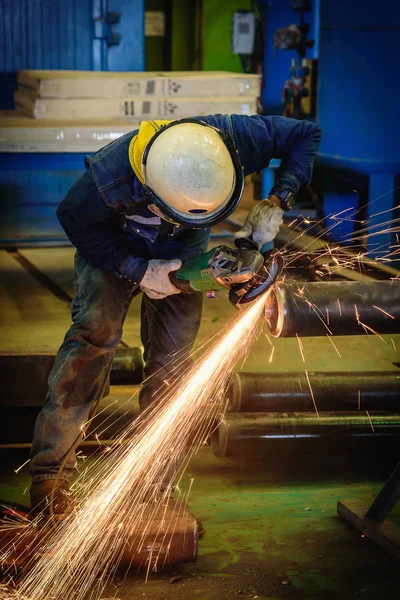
(261, 283)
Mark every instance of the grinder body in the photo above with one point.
(218, 269)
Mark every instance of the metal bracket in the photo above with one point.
(103, 28)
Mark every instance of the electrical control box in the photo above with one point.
(243, 32)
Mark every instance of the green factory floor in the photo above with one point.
(272, 532)
(271, 526)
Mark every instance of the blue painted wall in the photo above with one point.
(358, 112)
(60, 34)
(32, 186)
(46, 34)
(359, 86)
(55, 34)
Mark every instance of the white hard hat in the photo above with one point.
(192, 173)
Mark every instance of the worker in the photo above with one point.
(146, 202)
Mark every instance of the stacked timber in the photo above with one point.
(82, 111)
(133, 96)
(19, 133)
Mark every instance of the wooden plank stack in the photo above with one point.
(132, 96)
(19, 133)
(78, 111)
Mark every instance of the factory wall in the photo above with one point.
(73, 34)
(217, 28)
(359, 87)
(277, 62)
(186, 39)
(40, 34)
(358, 113)
(355, 43)
(56, 34)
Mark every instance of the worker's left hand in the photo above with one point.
(156, 283)
(262, 223)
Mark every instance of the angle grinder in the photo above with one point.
(244, 271)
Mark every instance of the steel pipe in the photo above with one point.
(334, 308)
(290, 392)
(252, 433)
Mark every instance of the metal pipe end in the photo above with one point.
(274, 311)
(234, 395)
(219, 439)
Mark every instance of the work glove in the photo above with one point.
(156, 283)
(262, 223)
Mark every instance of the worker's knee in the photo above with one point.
(97, 330)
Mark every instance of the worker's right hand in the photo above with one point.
(156, 283)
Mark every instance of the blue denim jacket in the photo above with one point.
(106, 215)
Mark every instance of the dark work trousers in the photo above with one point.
(99, 309)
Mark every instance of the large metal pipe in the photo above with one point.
(252, 433)
(290, 392)
(334, 308)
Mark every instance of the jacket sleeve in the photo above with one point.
(93, 229)
(259, 139)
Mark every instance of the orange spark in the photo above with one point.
(331, 341)
(300, 347)
(370, 422)
(312, 393)
(268, 338)
(357, 315)
(22, 466)
(364, 326)
(384, 311)
(272, 354)
(81, 554)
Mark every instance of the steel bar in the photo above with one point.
(386, 534)
(387, 498)
(290, 392)
(242, 434)
(334, 308)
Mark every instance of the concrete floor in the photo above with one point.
(272, 529)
